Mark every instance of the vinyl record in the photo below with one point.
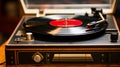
(64, 27)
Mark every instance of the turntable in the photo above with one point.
(74, 31)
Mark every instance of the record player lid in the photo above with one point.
(43, 7)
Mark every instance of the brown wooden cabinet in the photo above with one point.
(10, 14)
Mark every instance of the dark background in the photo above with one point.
(117, 13)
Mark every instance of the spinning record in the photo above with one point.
(65, 27)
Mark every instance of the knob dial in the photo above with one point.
(29, 36)
(37, 57)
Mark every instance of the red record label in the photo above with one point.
(66, 23)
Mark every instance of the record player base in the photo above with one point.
(62, 56)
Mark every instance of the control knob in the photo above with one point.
(37, 57)
(29, 36)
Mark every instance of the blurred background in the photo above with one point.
(10, 14)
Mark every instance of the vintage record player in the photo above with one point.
(65, 32)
